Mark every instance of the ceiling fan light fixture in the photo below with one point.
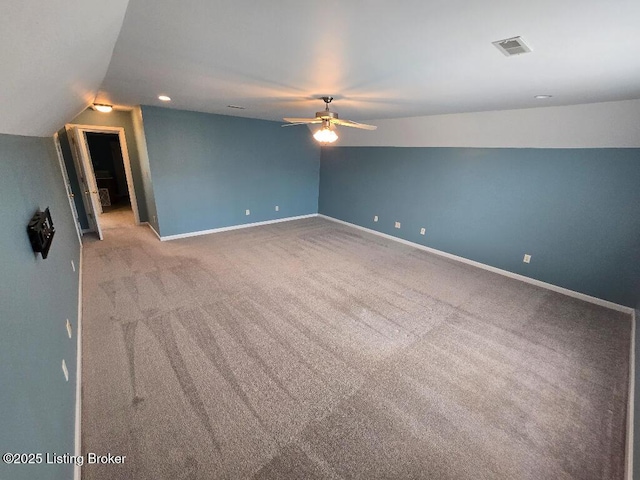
(329, 120)
(326, 135)
(101, 107)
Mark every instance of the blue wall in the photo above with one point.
(37, 410)
(636, 405)
(208, 169)
(576, 211)
(150, 198)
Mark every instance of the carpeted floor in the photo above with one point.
(116, 217)
(310, 350)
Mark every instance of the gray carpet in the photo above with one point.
(310, 350)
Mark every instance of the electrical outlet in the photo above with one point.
(375, 218)
(64, 370)
(73, 266)
(423, 231)
(247, 212)
(397, 224)
(69, 330)
(527, 258)
(277, 208)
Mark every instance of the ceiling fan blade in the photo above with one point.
(297, 123)
(351, 123)
(303, 120)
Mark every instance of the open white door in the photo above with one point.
(67, 185)
(87, 178)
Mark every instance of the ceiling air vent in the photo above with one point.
(512, 46)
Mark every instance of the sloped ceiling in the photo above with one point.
(379, 59)
(53, 56)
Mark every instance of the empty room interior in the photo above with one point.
(319, 240)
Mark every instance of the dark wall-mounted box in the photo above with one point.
(41, 231)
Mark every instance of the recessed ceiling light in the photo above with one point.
(101, 107)
(164, 98)
(542, 97)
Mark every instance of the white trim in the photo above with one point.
(630, 399)
(234, 227)
(78, 422)
(506, 273)
(153, 229)
(133, 200)
(77, 154)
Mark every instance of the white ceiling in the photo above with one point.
(380, 59)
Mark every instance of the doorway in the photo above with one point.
(108, 167)
(104, 172)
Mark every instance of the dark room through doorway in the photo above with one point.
(108, 166)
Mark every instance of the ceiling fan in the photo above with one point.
(328, 119)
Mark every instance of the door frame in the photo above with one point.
(83, 129)
(86, 178)
(67, 186)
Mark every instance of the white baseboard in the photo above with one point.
(78, 423)
(555, 288)
(631, 399)
(153, 229)
(506, 273)
(234, 227)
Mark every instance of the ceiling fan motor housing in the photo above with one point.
(326, 115)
